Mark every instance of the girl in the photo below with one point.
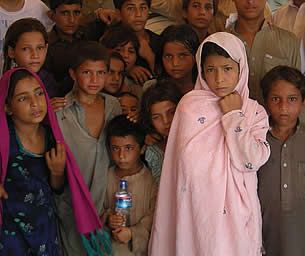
(208, 190)
(25, 45)
(116, 74)
(157, 111)
(199, 14)
(31, 167)
(178, 47)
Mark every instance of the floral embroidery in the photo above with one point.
(238, 129)
(201, 119)
(249, 166)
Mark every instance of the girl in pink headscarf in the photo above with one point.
(208, 202)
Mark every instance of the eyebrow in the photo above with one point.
(22, 93)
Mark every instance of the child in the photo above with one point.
(82, 122)
(125, 140)
(178, 48)
(159, 103)
(116, 75)
(208, 190)
(134, 14)
(281, 184)
(199, 14)
(129, 104)
(25, 45)
(124, 41)
(32, 166)
(13, 10)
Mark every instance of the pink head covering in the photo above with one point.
(86, 217)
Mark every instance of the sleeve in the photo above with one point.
(246, 142)
(141, 231)
(45, 20)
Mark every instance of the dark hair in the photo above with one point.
(119, 3)
(164, 90)
(289, 74)
(121, 94)
(117, 56)
(183, 34)
(120, 126)
(14, 79)
(88, 50)
(55, 3)
(185, 4)
(120, 35)
(14, 32)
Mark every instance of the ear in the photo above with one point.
(7, 110)
(143, 149)
(11, 52)
(72, 74)
(51, 15)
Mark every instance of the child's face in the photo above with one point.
(129, 54)
(221, 74)
(134, 14)
(177, 60)
(284, 103)
(28, 105)
(115, 76)
(90, 76)
(67, 18)
(199, 13)
(125, 152)
(162, 114)
(30, 51)
(129, 105)
(250, 10)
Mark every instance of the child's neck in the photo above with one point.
(87, 100)
(283, 132)
(64, 36)
(12, 5)
(123, 173)
(185, 84)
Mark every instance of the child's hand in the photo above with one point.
(58, 103)
(230, 102)
(122, 234)
(3, 194)
(115, 220)
(139, 74)
(56, 161)
(108, 16)
(133, 116)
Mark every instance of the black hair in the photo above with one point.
(164, 90)
(14, 32)
(120, 126)
(121, 94)
(185, 4)
(14, 79)
(185, 35)
(289, 74)
(55, 3)
(120, 35)
(119, 3)
(88, 50)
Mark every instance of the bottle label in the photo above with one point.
(123, 202)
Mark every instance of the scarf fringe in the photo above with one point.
(98, 243)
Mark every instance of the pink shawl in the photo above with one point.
(207, 202)
(86, 217)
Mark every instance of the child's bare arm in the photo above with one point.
(56, 161)
(140, 74)
(58, 103)
(3, 194)
(122, 234)
(146, 52)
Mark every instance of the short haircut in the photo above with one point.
(164, 90)
(88, 50)
(122, 94)
(119, 3)
(55, 3)
(288, 74)
(120, 126)
(119, 35)
(185, 4)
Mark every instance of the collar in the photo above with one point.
(54, 36)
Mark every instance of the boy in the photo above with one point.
(125, 140)
(82, 122)
(134, 14)
(67, 15)
(130, 104)
(282, 179)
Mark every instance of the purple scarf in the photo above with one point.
(86, 216)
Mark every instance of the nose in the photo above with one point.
(175, 61)
(138, 12)
(218, 76)
(116, 76)
(34, 54)
(121, 153)
(71, 18)
(283, 105)
(93, 78)
(125, 54)
(34, 101)
(166, 121)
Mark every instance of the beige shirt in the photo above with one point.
(143, 188)
(271, 47)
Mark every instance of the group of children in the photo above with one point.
(81, 111)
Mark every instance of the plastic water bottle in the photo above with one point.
(123, 202)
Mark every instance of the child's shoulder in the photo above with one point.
(112, 104)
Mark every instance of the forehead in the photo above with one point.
(116, 64)
(123, 140)
(134, 2)
(27, 84)
(283, 87)
(93, 65)
(162, 106)
(128, 100)
(31, 37)
(200, 1)
(68, 7)
(218, 60)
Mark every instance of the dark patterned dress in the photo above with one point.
(29, 221)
